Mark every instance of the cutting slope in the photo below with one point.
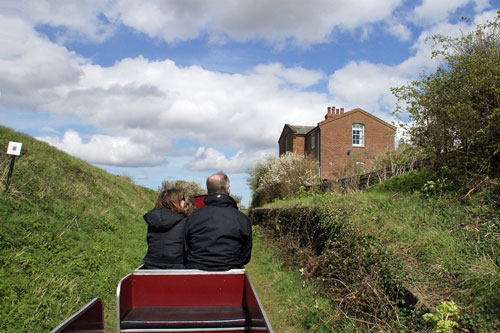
(69, 231)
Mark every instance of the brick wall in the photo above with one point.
(337, 150)
(287, 135)
(299, 143)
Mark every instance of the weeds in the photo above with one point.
(396, 251)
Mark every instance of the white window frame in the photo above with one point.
(358, 135)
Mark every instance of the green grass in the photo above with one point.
(69, 233)
(450, 248)
(292, 303)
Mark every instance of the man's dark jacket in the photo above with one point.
(165, 239)
(218, 236)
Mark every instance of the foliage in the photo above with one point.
(444, 317)
(189, 188)
(396, 162)
(291, 304)
(409, 182)
(373, 250)
(70, 232)
(279, 177)
(454, 113)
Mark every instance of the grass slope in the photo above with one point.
(69, 232)
(450, 248)
(291, 304)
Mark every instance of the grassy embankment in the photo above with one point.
(440, 247)
(69, 232)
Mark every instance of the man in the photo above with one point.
(218, 236)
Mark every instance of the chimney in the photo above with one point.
(333, 112)
(330, 112)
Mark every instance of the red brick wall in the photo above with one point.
(313, 152)
(336, 141)
(299, 144)
(289, 135)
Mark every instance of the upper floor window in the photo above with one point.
(286, 143)
(358, 135)
(313, 140)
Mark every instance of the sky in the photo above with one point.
(180, 89)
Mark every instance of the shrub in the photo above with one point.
(279, 177)
(190, 189)
(454, 113)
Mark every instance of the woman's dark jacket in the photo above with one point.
(218, 236)
(165, 239)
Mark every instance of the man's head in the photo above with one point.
(218, 183)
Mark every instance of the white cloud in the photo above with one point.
(298, 76)
(401, 31)
(158, 102)
(144, 106)
(301, 22)
(103, 149)
(154, 103)
(31, 66)
(49, 130)
(207, 159)
(74, 19)
(432, 11)
(367, 85)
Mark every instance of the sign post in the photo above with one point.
(13, 149)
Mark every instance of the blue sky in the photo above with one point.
(180, 89)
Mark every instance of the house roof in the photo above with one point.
(349, 113)
(301, 130)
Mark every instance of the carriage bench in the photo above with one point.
(189, 301)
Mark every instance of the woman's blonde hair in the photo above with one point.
(172, 199)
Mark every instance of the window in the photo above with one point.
(313, 140)
(286, 143)
(358, 135)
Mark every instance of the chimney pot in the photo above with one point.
(329, 110)
(341, 110)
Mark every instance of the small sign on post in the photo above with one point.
(14, 149)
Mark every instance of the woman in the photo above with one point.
(166, 231)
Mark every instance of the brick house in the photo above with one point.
(351, 139)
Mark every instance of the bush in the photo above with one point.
(454, 113)
(279, 177)
(190, 189)
(410, 182)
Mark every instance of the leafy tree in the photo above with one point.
(279, 177)
(455, 112)
(189, 188)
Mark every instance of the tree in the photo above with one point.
(455, 112)
(279, 177)
(190, 189)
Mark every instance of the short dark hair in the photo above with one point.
(218, 183)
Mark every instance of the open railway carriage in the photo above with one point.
(181, 301)
(189, 300)
(186, 300)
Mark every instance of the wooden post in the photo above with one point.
(12, 161)
(13, 149)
